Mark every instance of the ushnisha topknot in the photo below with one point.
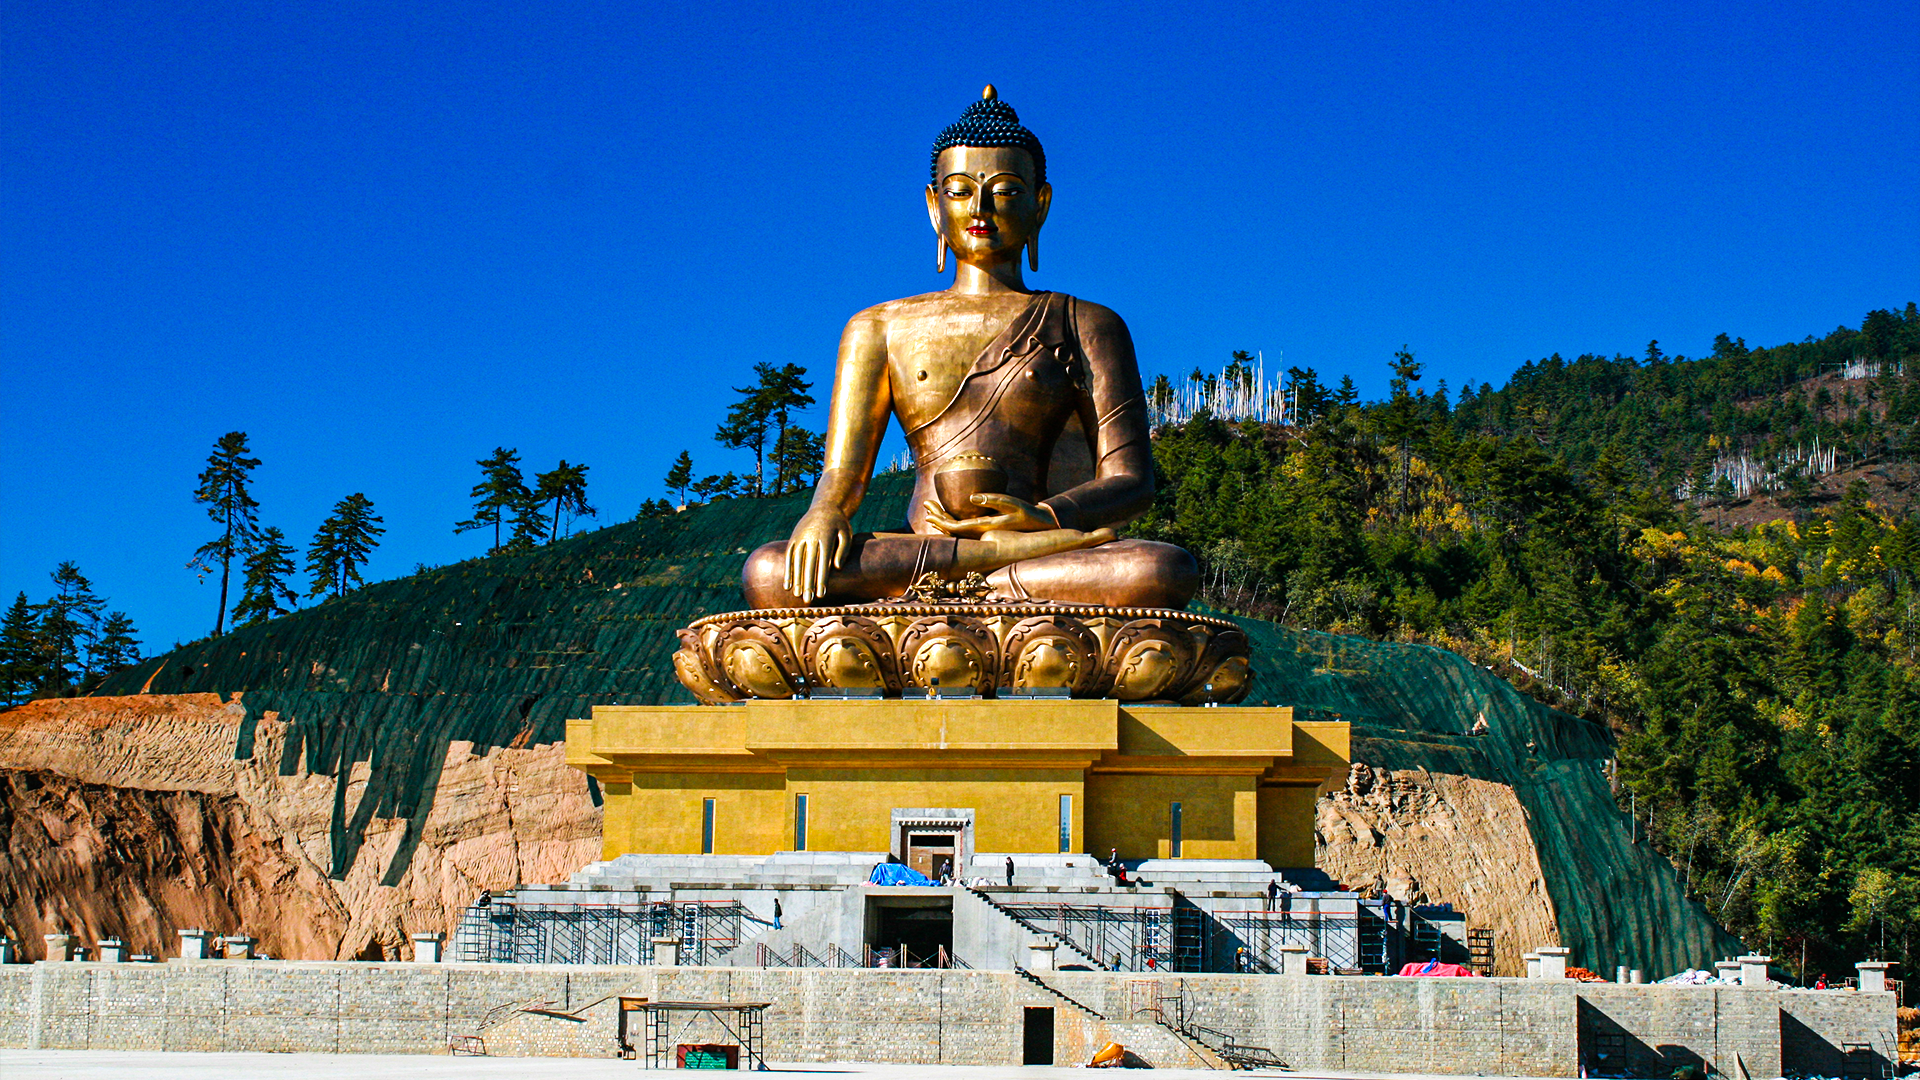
(990, 122)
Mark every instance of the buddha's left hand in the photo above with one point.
(1015, 515)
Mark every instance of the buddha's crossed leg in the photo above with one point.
(1058, 565)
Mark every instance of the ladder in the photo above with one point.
(1480, 949)
(1189, 939)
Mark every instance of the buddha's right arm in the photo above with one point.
(856, 421)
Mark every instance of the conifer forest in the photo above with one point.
(1653, 542)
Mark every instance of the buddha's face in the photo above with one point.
(985, 202)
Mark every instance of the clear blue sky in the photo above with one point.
(385, 238)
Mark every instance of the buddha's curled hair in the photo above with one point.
(990, 123)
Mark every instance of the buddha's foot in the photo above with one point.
(999, 548)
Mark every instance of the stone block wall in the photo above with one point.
(1817, 1028)
(1494, 1027)
(1623, 1027)
(1462, 1026)
(16, 986)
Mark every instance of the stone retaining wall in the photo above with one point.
(1463, 1026)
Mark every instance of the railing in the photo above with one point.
(1006, 910)
(899, 956)
(1185, 938)
(1114, 938)
(506, 932)
(1042, 984)
(503, 1012)
(1224, 1045)
(1261, 933)
(799, 956)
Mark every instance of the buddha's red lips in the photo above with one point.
(980, 230)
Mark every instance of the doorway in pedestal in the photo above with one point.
(915, 930)
(933, 840)
(931, 853)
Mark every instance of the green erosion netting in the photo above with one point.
(1411, 707)
(502, 651)
(497, 651)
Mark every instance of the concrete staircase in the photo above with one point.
(1157, 1043)
(1066, 951)
(1204, 875)
(787, 869)
(1049, 872)
(1056, 992)
(1164, 1048)
(815, 930)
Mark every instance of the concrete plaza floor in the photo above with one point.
(157, 1065)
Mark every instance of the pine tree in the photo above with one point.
(746, 427)
(1160, 394)
(566, 489)
(342, 545)
(797, 459)
(501, 497)
(265, 593)
(717, 487)
(529, 527)
(762, 414)
(785, 389)
(223, 490)
(680, 477)
(21, 668)
(116, 646)
(69, 623)
(1239, 370)
(1400, 420)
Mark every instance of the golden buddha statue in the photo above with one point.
(1024, 411)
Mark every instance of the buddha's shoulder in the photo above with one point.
(1088, 315)
(943, 304)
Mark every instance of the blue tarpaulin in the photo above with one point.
(896, 874)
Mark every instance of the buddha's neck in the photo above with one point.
(1001, 277)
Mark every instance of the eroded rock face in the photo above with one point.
(1438, 838)
(129, 817)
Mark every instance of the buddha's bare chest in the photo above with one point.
(929, 354)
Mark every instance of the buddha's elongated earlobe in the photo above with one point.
(939, 252)
(1033, 253)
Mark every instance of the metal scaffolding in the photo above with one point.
(1184, 937)
(1120, 938)
(1261, 933)
(499, 931)
(741, 1021)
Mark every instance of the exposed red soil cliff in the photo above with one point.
(130, 817)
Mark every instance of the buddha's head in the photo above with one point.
(989, 193)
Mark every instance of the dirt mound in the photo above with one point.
(131, 817)
(1437, 838)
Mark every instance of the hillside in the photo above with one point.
(384, 695)
(1578, 531)
(1748, 657)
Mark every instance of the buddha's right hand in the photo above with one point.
(818, 543)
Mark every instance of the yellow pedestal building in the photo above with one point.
(928, 779)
